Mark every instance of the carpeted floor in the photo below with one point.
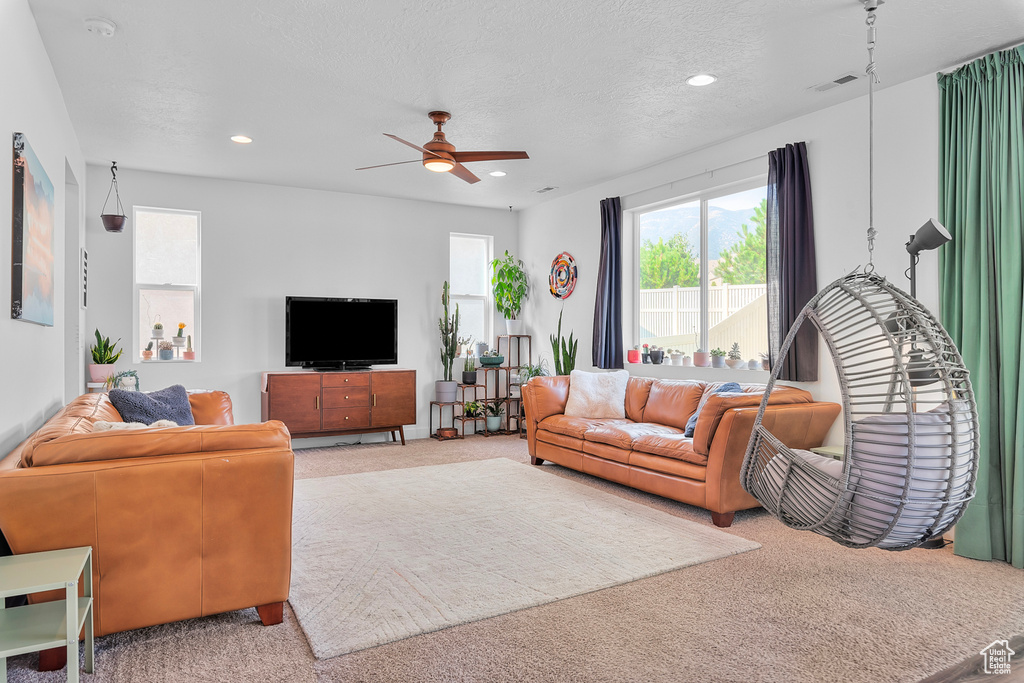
(801, 608)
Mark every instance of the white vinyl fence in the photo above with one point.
(671, 317)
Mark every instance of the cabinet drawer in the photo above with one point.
(346, 397)
(346, 418)
(346, 379)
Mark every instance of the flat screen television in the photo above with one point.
(339, 334)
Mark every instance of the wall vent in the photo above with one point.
(545, 189)
(836, 82)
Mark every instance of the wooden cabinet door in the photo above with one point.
(393, 398)
(295, 400)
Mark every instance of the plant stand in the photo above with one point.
(44, 625)
(440, 420)
(514, 358)
(462, 418)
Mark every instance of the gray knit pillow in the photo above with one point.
(166, 404)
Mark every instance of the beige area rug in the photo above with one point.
(382, 556)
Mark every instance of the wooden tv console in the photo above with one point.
(312, 403)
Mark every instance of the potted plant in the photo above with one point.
(687, 361)
(633, 355)
(469, 370)
(510, 288)
(147, 353)
(491, 359)
(464, 343)
(646, 355)
(753, 364)
(104, 355)
(676, 356)
(701, 358)
(717, 358)
(657, 355)
(528, 372)
(473, 409)
(735, 359)
(189, 354)
(445, 389)
(563, 350)
(158, 330)
(494, 412)
(179, 339)
(166, 350)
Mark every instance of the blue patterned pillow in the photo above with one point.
(691, 424)
(166, 404)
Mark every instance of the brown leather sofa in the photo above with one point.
(183, 521)
(647, 449)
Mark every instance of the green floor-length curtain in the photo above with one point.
(981, 194)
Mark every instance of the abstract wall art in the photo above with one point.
(32, 247)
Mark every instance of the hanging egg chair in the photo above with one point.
(911, 449)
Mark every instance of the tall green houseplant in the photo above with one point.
(564, 350)
(449, 326)
(509, 286)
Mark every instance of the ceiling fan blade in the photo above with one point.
(397, 163)
(463, 157)
(416, 147)
(464, 173)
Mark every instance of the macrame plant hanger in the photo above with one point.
(113, 222)
(910, 454)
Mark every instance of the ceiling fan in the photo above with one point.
(440, 156)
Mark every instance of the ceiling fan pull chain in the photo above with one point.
(871, 6)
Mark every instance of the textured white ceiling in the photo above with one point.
(591, 89)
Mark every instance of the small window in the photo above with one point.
(167, 279)
(470, 283)
(701, 273)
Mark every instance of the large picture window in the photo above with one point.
(167, 277)
(470, 281)
(700, 268)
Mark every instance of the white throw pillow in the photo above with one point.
(597, 394)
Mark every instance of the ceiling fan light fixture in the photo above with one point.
(439, 165)
(498, 174)
(699, 80)
(241, 139)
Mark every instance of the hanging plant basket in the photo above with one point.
(113, 222)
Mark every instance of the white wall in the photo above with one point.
(906, 194)
(32, 104)
(260, 243)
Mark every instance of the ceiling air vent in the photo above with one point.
(836, 82)
(545, 189)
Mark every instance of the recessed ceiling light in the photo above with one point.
(241, 139)
(701, 79)
(498, 174)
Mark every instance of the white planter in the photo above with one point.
(178, 341)
(514, 326)
(445, 392)
(158, 334)
(677, 358)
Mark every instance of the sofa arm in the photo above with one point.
(799, 425)
(542, 398)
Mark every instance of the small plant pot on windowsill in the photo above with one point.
(166, 354)
(158, 333)
(633, 356)
(701, 359)
(657, 357)
(178, 341)
(147, 354)
(735, 363)
(718, 361)
(188, 355)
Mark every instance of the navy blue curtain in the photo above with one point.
(792, 274)
(608, 351)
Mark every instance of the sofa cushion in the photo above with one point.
(638, 389)
(597, 394)
(573, 426)
(211, 408)
(140, 443)
(675, 446)
(547, 396)
(603, 450)
(166, 404)
(76, 417)
(622, 435)
(677, 468)
(721, 388)
(672, 402)
(717, 404)
(563, 440)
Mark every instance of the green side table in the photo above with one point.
(45, 625)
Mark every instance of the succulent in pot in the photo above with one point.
(104, 355)
(147, 353)
(166, 350)
(717, 358)
(189, 353)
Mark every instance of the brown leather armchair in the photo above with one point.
(183, 521)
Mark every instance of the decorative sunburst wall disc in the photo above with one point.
(563, 276)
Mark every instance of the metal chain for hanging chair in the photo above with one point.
(910, 455)
(871, 6)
